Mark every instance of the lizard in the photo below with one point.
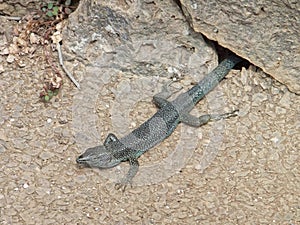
(159, 126)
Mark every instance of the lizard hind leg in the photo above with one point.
(160, 99)
(199, 121)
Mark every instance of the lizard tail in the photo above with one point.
(210, 81)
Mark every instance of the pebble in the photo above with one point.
(1, 68)
(33, 38)
(2, 148)
(258, 98)
(19, 143)
(45, 155)
(280, 110)
(244, 76)
(10, 58)
(3, 136)
(285, 101)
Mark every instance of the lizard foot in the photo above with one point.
(225, 115)
(160, 99)
(122, 185)
(134, 166)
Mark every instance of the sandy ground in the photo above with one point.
(253, 178)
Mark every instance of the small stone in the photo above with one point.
(13, 49)
(10, 58)
(244, 76)
(4, 51)
(33, 38)
(285, 101)
(56, 37)
(46, 155)
(2, 148)
(21, 64)
(274, 90)
(124, 87)
(182, 215)
(21, 42)
(63, 120)
(280, 110)
(258, 98)
(3, 136)
(19, 143)
(11, 211)
(1, 69)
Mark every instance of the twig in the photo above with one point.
(17, 18)
(64, 68)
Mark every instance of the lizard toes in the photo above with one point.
(122, 185)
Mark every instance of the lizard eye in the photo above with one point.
(104, 158)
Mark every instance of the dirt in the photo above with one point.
(249, 175)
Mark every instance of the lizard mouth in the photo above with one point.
(81, 160)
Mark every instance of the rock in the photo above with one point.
(3, 136)
(265, 33)
(10, 58)
(136, 40)
(1, 69)
(33, 38)
(2, 148)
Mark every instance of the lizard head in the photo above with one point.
(97, 157)
(101, 156)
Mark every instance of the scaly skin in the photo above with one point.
(158, 127)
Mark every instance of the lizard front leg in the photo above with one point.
(160, 99)
(134, 167)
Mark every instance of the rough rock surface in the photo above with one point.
(254, 175)
(267, 33)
